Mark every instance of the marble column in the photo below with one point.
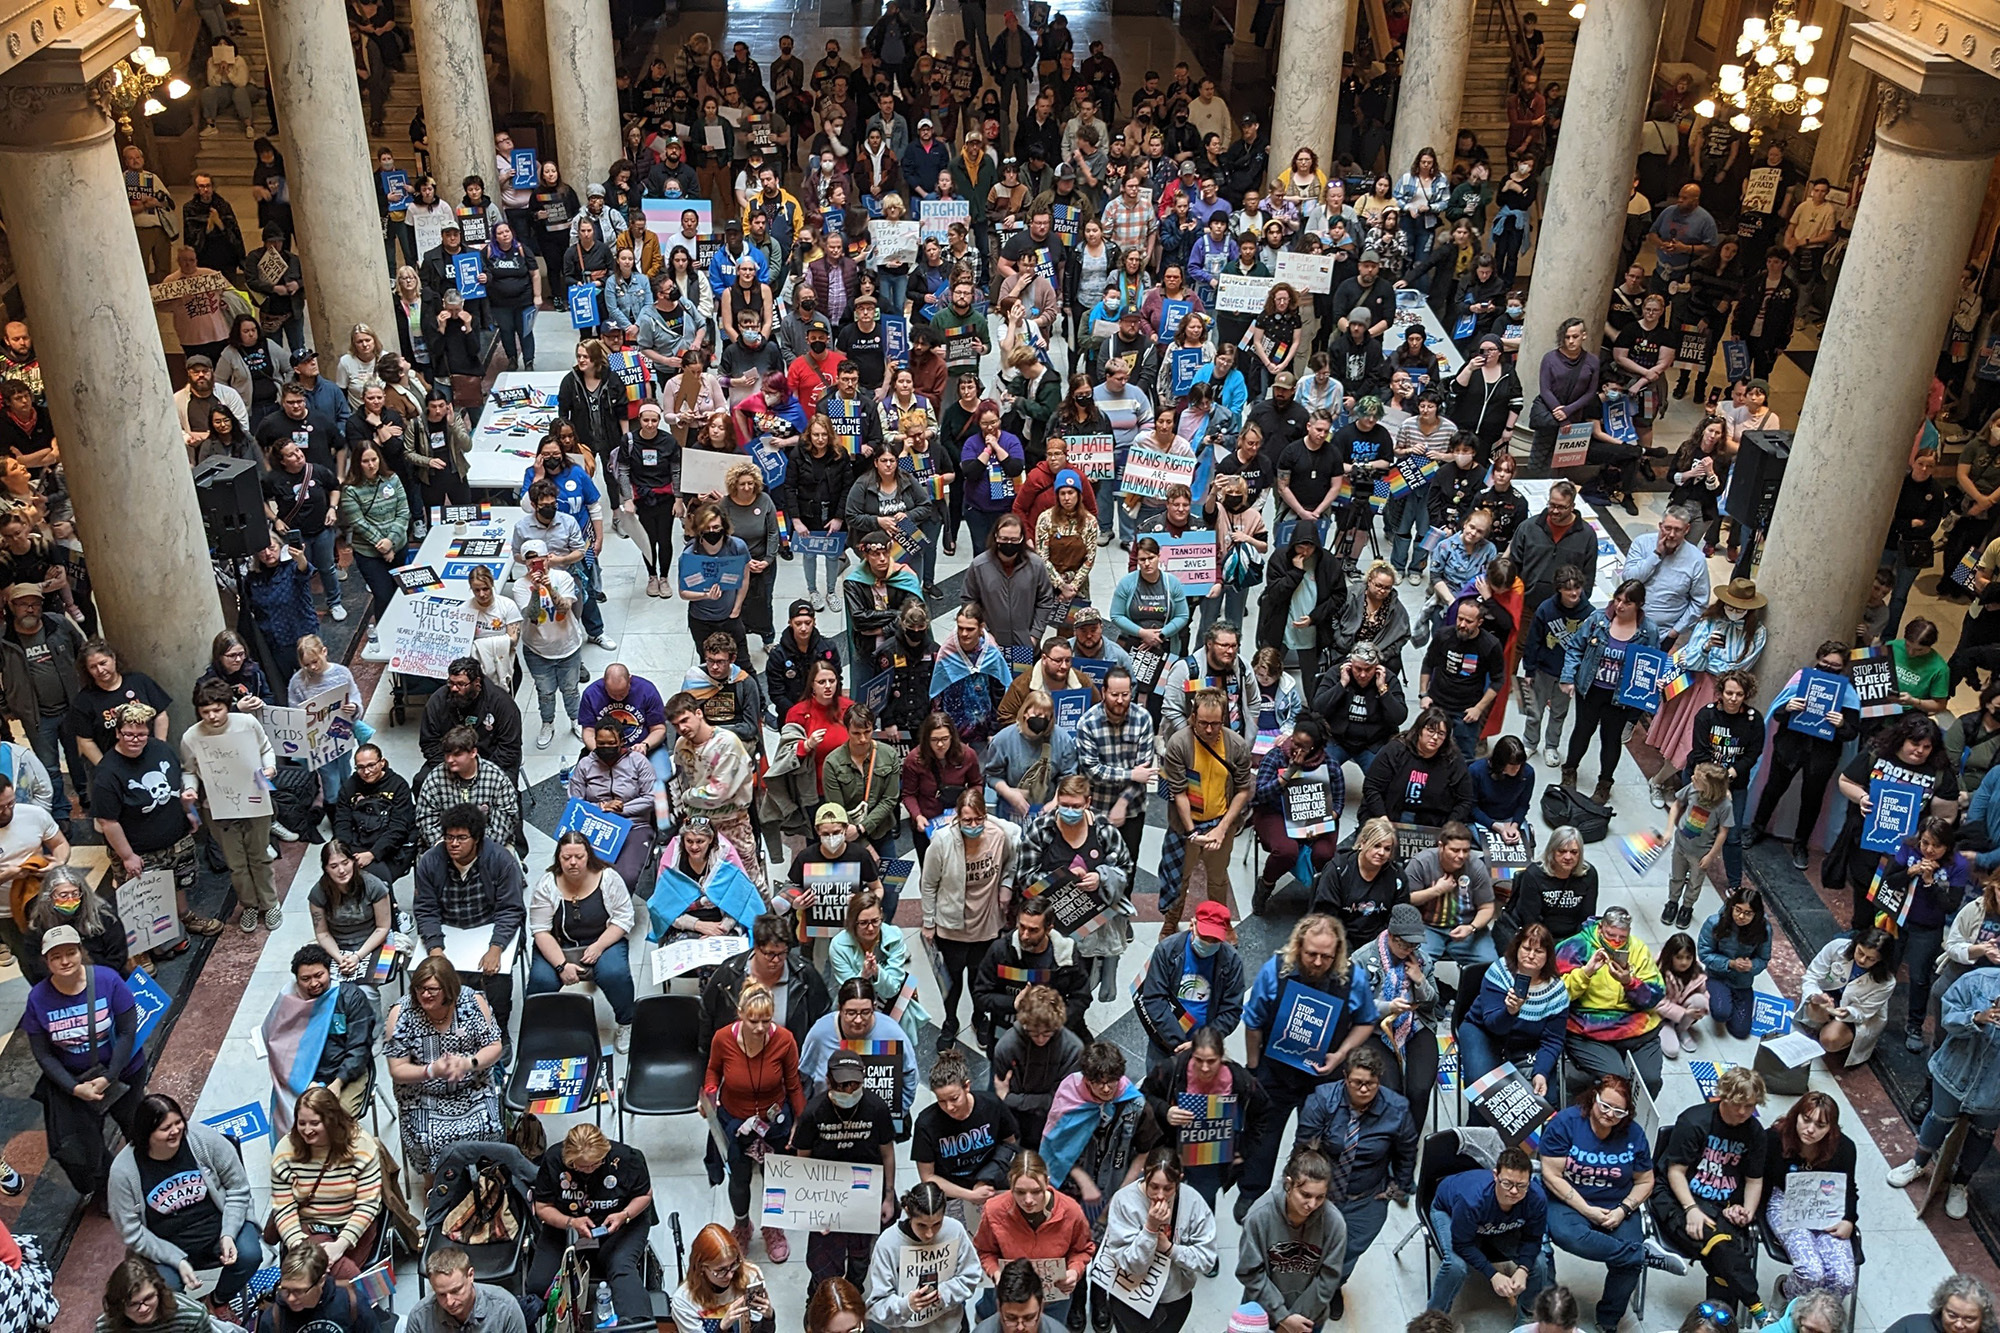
(106, 376)
(1585, 192)
(1433, 81)
(1937, 130)
(333, 203)
(451, 64)
(527, 57)
(1308, 88)
(584, 87)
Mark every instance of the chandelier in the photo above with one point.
(134, 82)
(1766, 88)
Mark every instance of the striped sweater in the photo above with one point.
(313, 1198)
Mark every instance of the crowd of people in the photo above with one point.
(895, 377)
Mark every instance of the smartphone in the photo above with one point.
(1521, 983)
(538, 564)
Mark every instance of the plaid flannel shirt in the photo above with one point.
(1105, 753)
(1131, 227)
(491, 789)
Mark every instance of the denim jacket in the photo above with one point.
(1967, 1063)
(1587, 648)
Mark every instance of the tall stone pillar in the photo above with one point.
(458, 117)
(1433, 81)
(102, 364)
(527, 57)
(333, 203)
(1936, 133)
(584, 87)
(1590, 183)
(1308, 88)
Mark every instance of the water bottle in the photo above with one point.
(606, 1316)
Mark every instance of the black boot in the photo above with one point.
(1077, 1308)
(1100, 1312)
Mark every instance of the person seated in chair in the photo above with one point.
(1486, 1219)
(309, 1297)
(596, 1196)
(375, 817)
(580, 918)
(469, 699)
(338, 1054)
(458, 1301)
(471, 882)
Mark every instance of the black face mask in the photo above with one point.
(1012, 550)
(1035, 726)
(546, 513)
(1236, 504)
(608, 753)
(913, 635)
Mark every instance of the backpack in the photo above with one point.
(292, 795)
(1561, 806)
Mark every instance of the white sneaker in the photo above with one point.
(605, 642)
(1552, 757)
(249, 131)
(270, 852)
(1907, 1172)
(339, 611)
(1659, 1256)
(1956, 1204)
(281, 833)
(247, 920)
(274, 917)
(621, 1041)
(546, 736)
(210, 131)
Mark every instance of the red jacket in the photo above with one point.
(1036, 490)
(744, 1085)
(808, 714)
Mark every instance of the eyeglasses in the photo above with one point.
(1610, 1112)
(1506, 1186)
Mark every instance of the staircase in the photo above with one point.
(228, 155)
(1484, 110)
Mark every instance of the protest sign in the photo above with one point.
(1639, 684)
(935, 216)
(246, 1124)
(895, 242)
(1140, 1291)
(1308, 809)
(966, 702)
(706, 471)
(1190, 558)
(1572, 446)
(430, 633)
(811, 1194)
(1073, 909)
(1813, 1201)
(1051, 1271)
(896, 340)
(1872, 672)
(526, 169)
(926, 1265)
(468, 275)
(232, 773)
(1071, 705)
(881, 1070)
(1211, 1139)
(1240, 294)
(1821, 692)
(1302, 1031)
(699, 573)
(1893, 808)
(684, 956)
(1508, 1100)
(1093, 456)
(146, 906)
(151, 1001)
(559, 1084)
(605, 831)
(582, 306)
(1311, 274)
(1149, 472)
(1187, 363)
(806, 542)
(876, 692)
(828, 886)
(1770, 1015)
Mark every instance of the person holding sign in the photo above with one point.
(227, 767)
(713, 577)
(1067, 848)
(1808, 1140)
(1820, 712)
(1521, 1013)
(1593, 669)
(924, 1272)
(580, 916)
(1233, 1109)
(1908, 751)
(753, 1096)
(1159, 1240)
(857, 1023)
(1310, 1008)
(846, 1123)
(1294, 1248)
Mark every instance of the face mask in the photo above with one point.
(1515, 311)
(751, 339)
(1236, 504)
(1464, 462)
(608, 753)
(913, 635)
(846, 1101)
(1070, 814)
(1034, 726)
(1736, 614)
(972, 830)
(711, 539)
(834, 843)
(546, 513)
(1203, 948)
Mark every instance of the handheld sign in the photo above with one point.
(1572, 446)
(896, 339)
(1190, 558)
(526, 169)
(1821, 692)
(245, 1123)
(1508, 1100)
(876, 690)
(1186, 365)
(1892, 814)
(1302, 1027)
(810, 1194)
(583, 306)
(700, 572)
(1211, 1139)
(1639, 685)
(606, 832)
(1309, 809)
(470, 277)
(1872, 672)
(1771, 1015)
(828, 885)
(1092, 456)
(1070, 707)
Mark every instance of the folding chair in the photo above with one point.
(501, 1263)
(1774, 1249)
(558, 1026)
(1442, 1154)
(665, 1069)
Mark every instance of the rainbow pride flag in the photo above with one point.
(1675, 685)
(1027, 976)
(1643, 850)
(871, 1047)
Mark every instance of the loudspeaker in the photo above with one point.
(1759, 471)
(232, 506)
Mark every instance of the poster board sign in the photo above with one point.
(1149, 472)
(1302, 1027)
(706, 471)
(809, 1194)
(926, 1265)
(1646, 669)
(232, 773)
(245, 1124)
(468, 275)
(1504, 860)
(1073, 910)
(1814, 1200)
(1771, 1015)
(1821, 691)
(149, 998)
(1572, 446)
(1093, 456)
(314, 734)
(828, 886)
(1146, 666)
(1139, 1291)
(1071, 705)
(1306, 273)
(700, 573)
(146, 906)
(559, 1084)
(806, 542)
(1211, 1139)
(1760, 189)
(881, 1070)
(895, 242)
(1309, 809)
(1892, 815)
(605, 831)
(1241, 294)
(1190, 558)
(1508, 1100)
(1872, 672)
(685, 956)
(1187, 363)
(935, 216)
(876, 691)
(1051, 1271)
(526, 169)
(432, 632)
(896, 339)
(582, 306)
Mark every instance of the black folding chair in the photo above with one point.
(559, 1026)
(500, 1263)
(1441, 1155)
(1775, 1251)
(665, 1069)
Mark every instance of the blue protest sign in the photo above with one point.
(1093, 667)
(1187, 364)
(1172, 312)
(245, 1123)
(701, 572)
(770, 461)
(1070, 707)
(896, 340)
(1302, 1026)
(876, 690)
(526, 169)
(1736, 359)
(151, 1000)
(1893, 808)
(1639, 685)
(818, 543)
(469, 275)
(1771, 1015)
(1463, 329)
(395, 184)
(583, 306)
(607, 832)
(1821, 691)
(1618, 419)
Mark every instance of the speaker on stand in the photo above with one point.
(231, 499)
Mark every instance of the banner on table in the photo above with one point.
(827, 887)
(1639, 684)
(146, 906)
(605, 831)
(1149, 472)
(1893, 809)
(1301, 1033)
(1190, 558)
(429, 635)
(812, 1194)
(1093, 456)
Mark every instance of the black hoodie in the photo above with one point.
(1411, 789)
(1282, 579)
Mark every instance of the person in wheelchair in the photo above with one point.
(310, 1297)
(595, 1196)
(619, 779)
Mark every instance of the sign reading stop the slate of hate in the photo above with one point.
(1572, 446)
(607, 832)
(1639, 686)
(1872, 672)
(810, 1194)
(1893, 809)
(830, 884)
(1302, 1033)
(1190, 558)
(1509, 1100)
(1308, 809)
(1093, 456)
(1149, 472)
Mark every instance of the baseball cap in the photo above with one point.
(20, 590)
(451, 224)
(305, 354)
(1406, 923)
(833, 812)
(926, 121)
(1086, 615)
(845, 1067)
(1065, 172)
(1371, 256)
(529, 548)
(800, 607)
(274, 233)
(1211, 921)
(57, 937)
(1285, 379)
